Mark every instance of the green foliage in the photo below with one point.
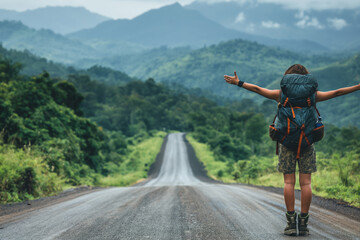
(41, 113)
(141, 154)
(25, 175)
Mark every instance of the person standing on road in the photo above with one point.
(296, 85)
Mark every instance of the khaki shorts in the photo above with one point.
(287, 160)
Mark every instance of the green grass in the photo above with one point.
(215, 169)
(324, 183)
(24, 171)
(137, 162)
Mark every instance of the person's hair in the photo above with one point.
(297, 69)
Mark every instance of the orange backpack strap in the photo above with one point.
(302, 134)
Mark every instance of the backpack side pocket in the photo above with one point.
(275, 134)
(318, 133)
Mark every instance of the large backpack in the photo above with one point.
(296, 125)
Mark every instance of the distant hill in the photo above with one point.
(337, 29)
(34, 65)
(342, 111)
(171, 25)
(61, 20)
(174, 25)
(205, 67)
(44, 43)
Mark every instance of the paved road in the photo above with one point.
(175, 205)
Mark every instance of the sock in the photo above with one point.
(303, 214)
(290, 212)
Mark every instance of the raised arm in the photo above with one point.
(271, 94)
(323, 96)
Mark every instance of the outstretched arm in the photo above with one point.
(323, 96)
(271, 94)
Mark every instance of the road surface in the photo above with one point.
(174, 205)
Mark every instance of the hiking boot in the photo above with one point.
(290, 229)
(303, 222)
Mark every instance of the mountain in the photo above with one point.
(337, 29)
(175, 25)
(171, 25)
(61, 20)
(44, 43)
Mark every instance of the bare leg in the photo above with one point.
(289, 195)
(306, 193)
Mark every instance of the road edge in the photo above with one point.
(196, 165)
(11, 210)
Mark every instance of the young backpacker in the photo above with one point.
(296, 125)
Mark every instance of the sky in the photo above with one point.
(132, 8)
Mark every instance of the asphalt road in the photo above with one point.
(174, 205)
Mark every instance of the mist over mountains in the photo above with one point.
(336, 29)
(61, 20)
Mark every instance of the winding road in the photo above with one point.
(175, 204)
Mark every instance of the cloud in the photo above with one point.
(240, 18)
(300, 5)
(337, 23)
(306, 21)
(270, 24)
(316, 4)
(250, 27)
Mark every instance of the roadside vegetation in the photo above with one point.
(338, 165)
(136, 165)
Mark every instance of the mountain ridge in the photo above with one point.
(61, 20)
(174, 26)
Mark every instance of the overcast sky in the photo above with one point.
(133, 8)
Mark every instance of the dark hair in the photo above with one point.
(297, 69)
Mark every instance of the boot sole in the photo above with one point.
(290, 232)
(303, 233)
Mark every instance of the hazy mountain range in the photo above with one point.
(62, 20)
(175, 25)
(44, 43)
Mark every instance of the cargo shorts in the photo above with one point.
(287, 160)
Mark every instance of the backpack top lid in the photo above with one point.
(298, 86)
